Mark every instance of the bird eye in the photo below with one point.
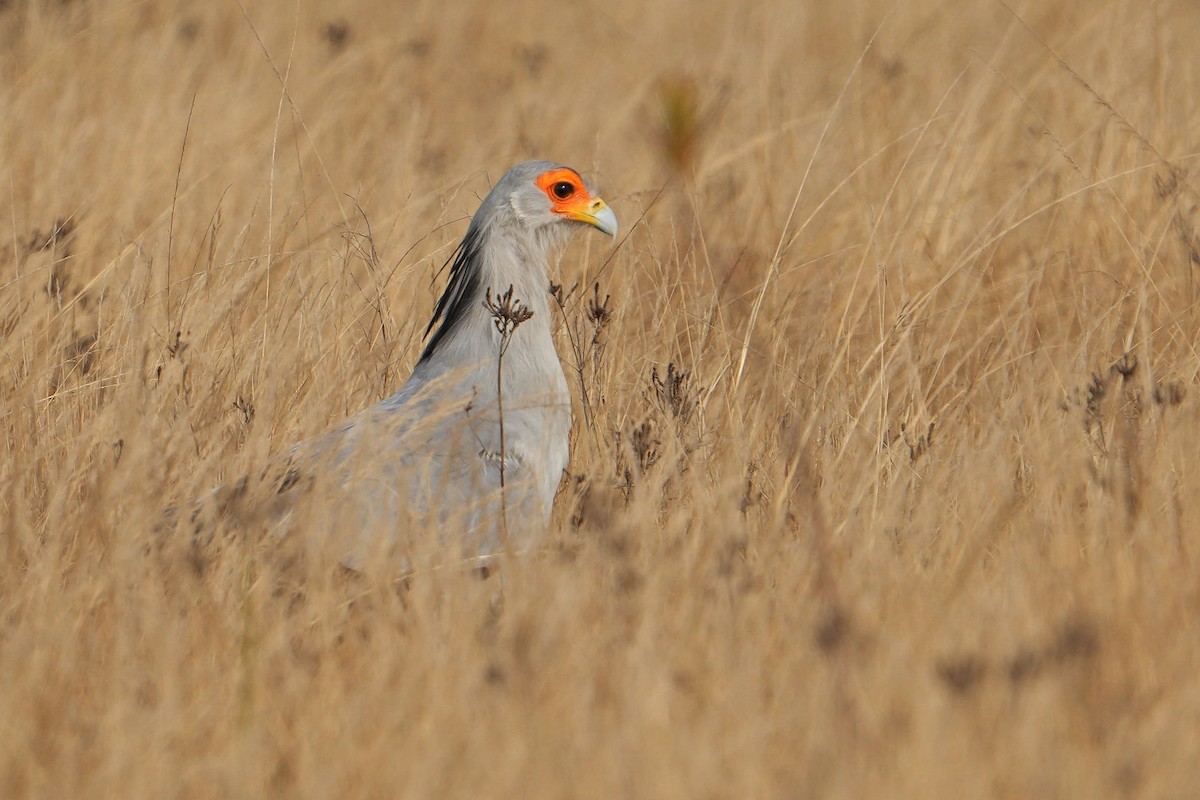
(563, 189)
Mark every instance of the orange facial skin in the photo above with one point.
(571, 204)
(570, 198)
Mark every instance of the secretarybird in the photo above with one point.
(471, 450)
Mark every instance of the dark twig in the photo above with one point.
(508, 314)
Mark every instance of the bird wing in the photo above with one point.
(413, 465)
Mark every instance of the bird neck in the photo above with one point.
(521, 263)
(492, 261)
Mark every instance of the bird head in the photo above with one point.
(528, 214)
(550, 199)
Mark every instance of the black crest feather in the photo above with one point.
(461, 290)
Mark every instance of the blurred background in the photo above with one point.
(883, 470)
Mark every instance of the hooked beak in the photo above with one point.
(599, 215)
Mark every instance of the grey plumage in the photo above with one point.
(430, 455)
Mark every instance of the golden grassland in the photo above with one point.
(886, 484)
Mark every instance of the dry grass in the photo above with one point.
(920, 519)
